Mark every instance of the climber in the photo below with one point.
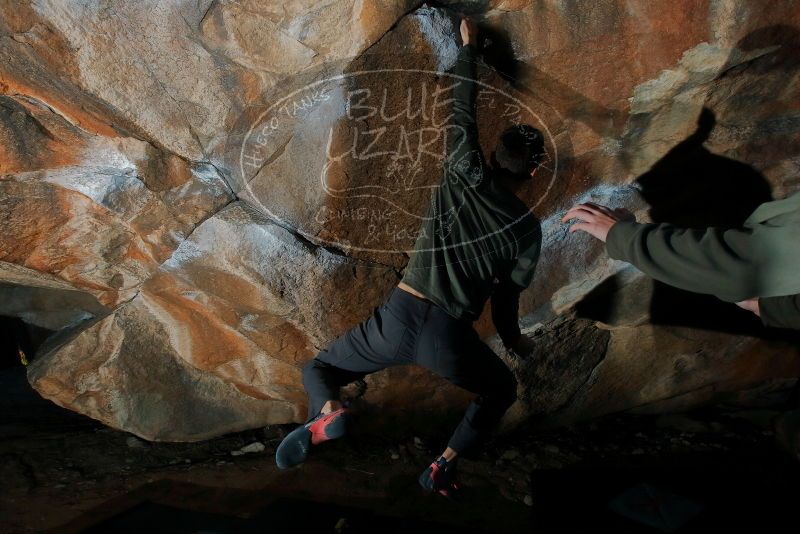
(480, 241)
(755, 266)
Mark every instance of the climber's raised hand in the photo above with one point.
(469, 31)
(595, 219)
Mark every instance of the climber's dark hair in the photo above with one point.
(519, 150)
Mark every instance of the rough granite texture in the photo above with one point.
(199, 195)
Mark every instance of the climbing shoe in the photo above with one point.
(439, 477)
(294, 448)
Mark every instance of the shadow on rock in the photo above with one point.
(694, 188)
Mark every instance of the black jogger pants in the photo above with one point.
(408, 330)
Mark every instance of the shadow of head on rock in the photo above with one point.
(692, 187)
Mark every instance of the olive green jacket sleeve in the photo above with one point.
(465, 162)
(780, 312)
(761, 259)
(711, 261)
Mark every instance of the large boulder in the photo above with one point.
(199, 196)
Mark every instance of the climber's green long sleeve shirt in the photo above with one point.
(478, 238)
(761, 259)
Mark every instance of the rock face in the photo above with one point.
(199, 196)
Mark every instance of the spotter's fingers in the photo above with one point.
(594, 208)
(586, 227)
(600, 208)
(580, 213)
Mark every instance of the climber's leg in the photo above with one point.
(453, 350)
(466, 361)
(381, 341)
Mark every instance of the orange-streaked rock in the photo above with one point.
(124, 372)
(117, 126)
(239, 313)
(61, 232)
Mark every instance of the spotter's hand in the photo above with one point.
(595, 219)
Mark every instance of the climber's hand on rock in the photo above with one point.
(469, 32)
(595, 219)
(750, 305)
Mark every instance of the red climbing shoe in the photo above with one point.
(440, 477)
(294, 448)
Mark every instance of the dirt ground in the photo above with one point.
(65, 472)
